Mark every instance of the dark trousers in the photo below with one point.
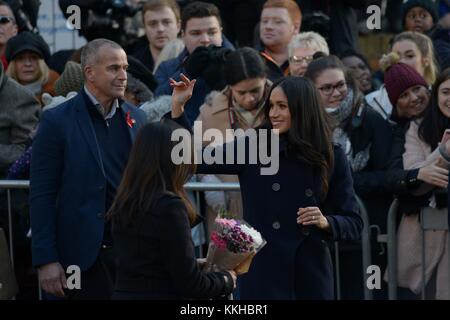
(97, 282)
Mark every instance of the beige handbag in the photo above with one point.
(8, 283)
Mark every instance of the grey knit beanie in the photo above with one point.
(70, 80)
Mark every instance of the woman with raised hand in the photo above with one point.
(427, 142)
(152, 218)
(409, 95)
(306, 201)
(240, 105)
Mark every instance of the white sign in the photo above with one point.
(56, 30)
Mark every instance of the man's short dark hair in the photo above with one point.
(199, 9)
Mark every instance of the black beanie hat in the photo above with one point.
(142, 73)
(27, 41)
(428, 5)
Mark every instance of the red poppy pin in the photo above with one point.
(130, 121)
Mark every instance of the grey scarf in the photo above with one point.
(35, 87)
(340, 116)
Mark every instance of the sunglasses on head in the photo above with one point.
(5, 19)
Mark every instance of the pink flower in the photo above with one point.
(218, 241)
(228, 223)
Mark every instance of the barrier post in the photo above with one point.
(10, 227)
(366, 247)
(392, 250)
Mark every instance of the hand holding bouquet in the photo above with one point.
(233, 245)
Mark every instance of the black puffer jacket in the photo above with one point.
(441, 43)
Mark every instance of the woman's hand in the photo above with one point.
(434, 175)
(182, 92)
(201, 263)
(233, 275)
(312, 216)
(446, 136)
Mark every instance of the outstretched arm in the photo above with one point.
(182, 92)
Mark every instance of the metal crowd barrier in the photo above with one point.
(429, 220)
(199, 187)
(366, 248)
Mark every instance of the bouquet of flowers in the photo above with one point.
(233, 245)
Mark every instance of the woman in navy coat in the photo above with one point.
(308, 201)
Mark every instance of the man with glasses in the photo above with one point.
(8, 29)
(301, 50)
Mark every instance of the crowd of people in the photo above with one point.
(91, 130)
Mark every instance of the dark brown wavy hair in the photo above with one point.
(151, 173)
(434, 121)
(310, 135)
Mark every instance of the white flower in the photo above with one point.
(256, 236)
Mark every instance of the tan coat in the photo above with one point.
(417, 155)
(214, 114)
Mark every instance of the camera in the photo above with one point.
(207, 62)
(111, 19)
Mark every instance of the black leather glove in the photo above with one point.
(207, 62)
(197, 61)
(214, 72)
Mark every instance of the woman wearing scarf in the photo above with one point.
(27, 55)
(365, 137)
(240, 105)
(426, 142)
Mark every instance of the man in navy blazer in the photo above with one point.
(79, 154)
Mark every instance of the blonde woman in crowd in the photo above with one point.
(27, 54)
(416, 50)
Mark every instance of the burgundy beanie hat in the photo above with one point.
(399, 77)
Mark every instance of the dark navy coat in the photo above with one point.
(68, 185)
(296, 262)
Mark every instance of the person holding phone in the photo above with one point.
(427, 142)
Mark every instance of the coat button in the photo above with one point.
(101, 188)
(276, 187)
(276, 225)
(305, 231)
(100, 215)
(308, 193)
